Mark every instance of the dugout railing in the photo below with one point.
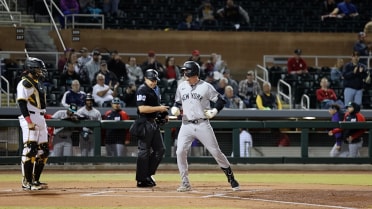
(303, 128)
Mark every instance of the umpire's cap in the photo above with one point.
(152, 74)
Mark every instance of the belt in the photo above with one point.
(196, 121)
(32, 112)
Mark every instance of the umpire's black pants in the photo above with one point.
(150, 151)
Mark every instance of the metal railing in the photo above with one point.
(315, 60)
(15, 18)
(99, 17)
(6, 92)
(305, 102)
(280, 88)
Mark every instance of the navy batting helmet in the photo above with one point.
(32, 64)
(89, 97)
(190, 68)
(152, 75)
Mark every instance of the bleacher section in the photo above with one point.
(280, 15)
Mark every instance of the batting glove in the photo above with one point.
(175, 111)
(210, 113)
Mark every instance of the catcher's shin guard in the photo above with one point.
(39, 167)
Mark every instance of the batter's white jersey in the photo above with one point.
(195, 99)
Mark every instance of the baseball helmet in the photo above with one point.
(152, 75)
(89, 97)
(32, 64)
(190, 68)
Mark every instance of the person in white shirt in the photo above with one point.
(102, 92)
(245, 143)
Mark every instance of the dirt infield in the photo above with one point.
(67, 190)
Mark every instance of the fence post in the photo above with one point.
(304, 143)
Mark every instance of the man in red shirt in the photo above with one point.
(297, 65)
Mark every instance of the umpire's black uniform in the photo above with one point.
(150, 147)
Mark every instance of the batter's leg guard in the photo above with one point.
(230, 178)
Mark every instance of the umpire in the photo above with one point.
(150, 147)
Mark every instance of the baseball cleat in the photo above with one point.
(234, 185)
(29, 186)
(152, 179)
(146, 183)
(184, 188)
(41, 184)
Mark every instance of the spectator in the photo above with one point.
(336, 73)
(69, 75)
(103, 93)
(368, 27)
(117, 66)
(152, 63)
(188, 23)
(93, 65)
(135, 74)
(232, 101)
(74, 95)
(68, 7)
(90, 7)
(129, 95)
(337, 116)
(63, 59)
(354, 74)
(72, 59)
(172, 71)
(249, 89)
(206, 15)
(343, 9)
(267, 100)
(116, 138)
(362, 47)
(90, 113)
(84, 57)
(327, 96)
(111, 8)
(297, 71)
(62, 141)
(245, 143)
(233, 15)
(195, 56)
(226, 74)
(222, 83)
(352, 137)
(110, 77)
(296, 65)
(328, 6)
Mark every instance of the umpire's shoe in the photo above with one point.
(145, 183)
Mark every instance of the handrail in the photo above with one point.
(317, 58)
(265, 74)
(54, 23)
(305, 102)
(281, 93)
(3, 91)
(73, 24)
(15, 21)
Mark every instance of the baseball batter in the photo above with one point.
(31, 100)
(195, 95)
